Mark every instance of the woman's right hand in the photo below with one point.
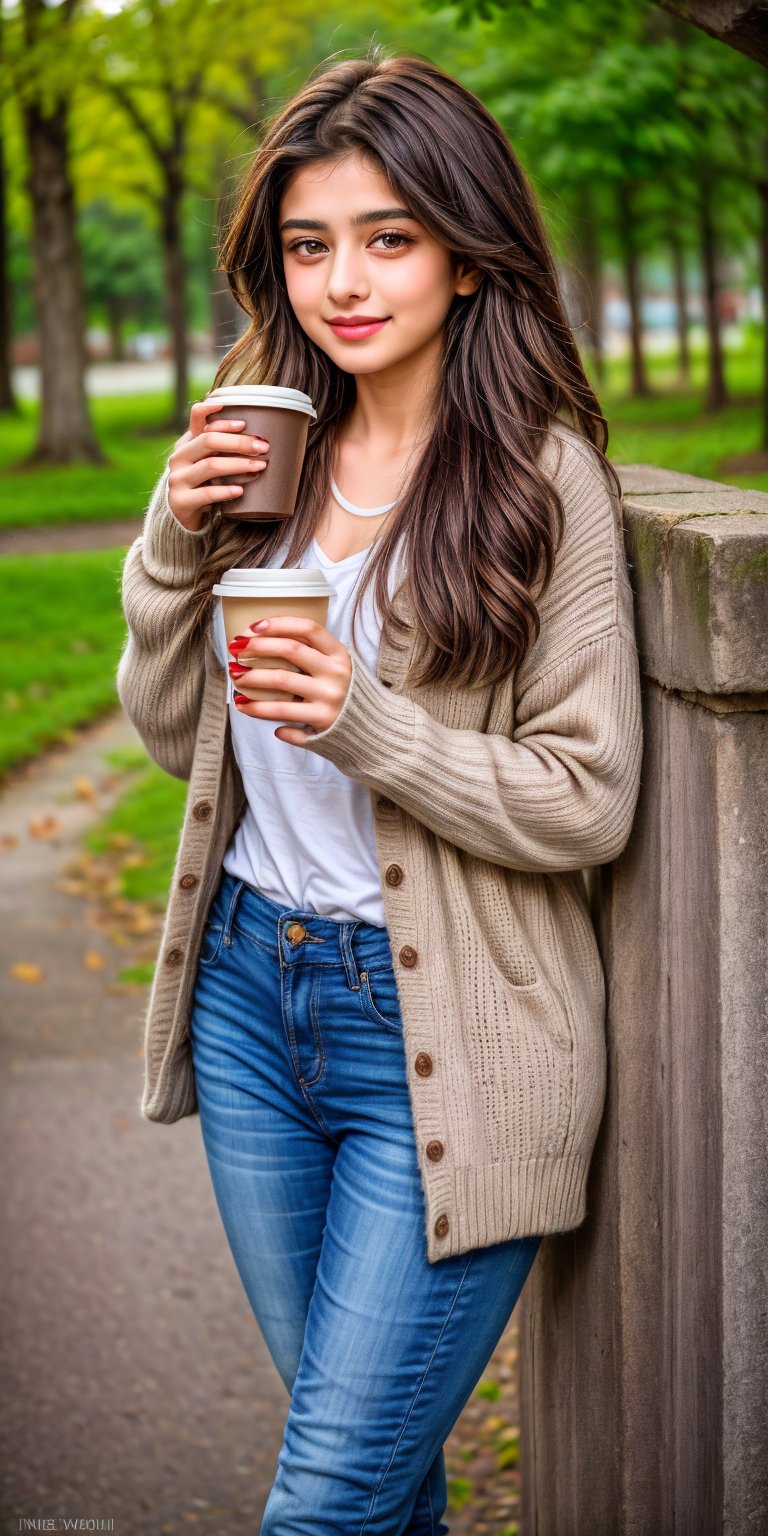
(193, 461)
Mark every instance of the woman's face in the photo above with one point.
(385, 266)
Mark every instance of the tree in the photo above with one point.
(38, 51)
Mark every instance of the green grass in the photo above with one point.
(671, 428)
(150, 813)
(82, 493)
(61, 634)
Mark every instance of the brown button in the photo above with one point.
(441, 1226)
(387, 682)
(423, 1064)
(202, 810)
(295, 933)
(435, 1150)
(408, 956)
(187, 881)
(394, 875)
(384, 805)
(174, 956)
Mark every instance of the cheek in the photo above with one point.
(303, 286)
(419, 287)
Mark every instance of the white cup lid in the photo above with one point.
(273, 396)
(278, 581)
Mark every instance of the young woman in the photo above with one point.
(379, 984)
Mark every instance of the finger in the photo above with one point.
(307, 630)
(275, 677)
(200, 471)
(272, 709)
(199, 413)
(294, 735)
(307, 657)
(225, 441)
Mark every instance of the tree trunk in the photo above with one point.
(717, 394)
(7, 399)
(116, 321)
(639, 385)
(227, 318)
(66, 433)
(587, 283)
(176, 300)
(763, 191)
(681, 308)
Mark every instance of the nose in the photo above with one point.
(347, 278)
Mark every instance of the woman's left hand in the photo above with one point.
(323, 682)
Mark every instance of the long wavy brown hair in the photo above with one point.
(479, 520)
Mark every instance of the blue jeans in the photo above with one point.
(306, 1121)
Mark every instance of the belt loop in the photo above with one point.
(239, 887)
(346, 931)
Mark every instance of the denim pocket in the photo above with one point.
(211, 942)
(379, 997)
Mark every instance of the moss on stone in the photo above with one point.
(755, 567)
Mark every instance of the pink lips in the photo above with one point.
(356, 330)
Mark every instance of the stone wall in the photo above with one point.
(644, 1333)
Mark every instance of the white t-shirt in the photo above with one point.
(306, 838)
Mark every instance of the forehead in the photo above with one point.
(346, 183)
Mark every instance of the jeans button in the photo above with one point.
(295, 933)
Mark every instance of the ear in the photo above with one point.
(468, 279)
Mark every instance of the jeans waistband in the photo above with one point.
(300, 937)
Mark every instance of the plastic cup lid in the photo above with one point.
(273, 396)
(278, 581)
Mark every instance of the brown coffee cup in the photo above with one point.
(249, 595)
(282, 417)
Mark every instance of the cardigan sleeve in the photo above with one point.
(559, 794)
(560, 791)
(161, 672)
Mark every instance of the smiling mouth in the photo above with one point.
(353, 325)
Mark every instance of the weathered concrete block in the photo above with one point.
(644, 1345)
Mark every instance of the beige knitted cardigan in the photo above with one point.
(488, 803)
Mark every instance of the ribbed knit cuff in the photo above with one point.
(374, 727)
(171, 552)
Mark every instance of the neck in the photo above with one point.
(394, 408)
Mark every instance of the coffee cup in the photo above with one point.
(248, 595)
(282, 417)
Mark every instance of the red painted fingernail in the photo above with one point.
(241, 698)
(235, 670)
(239, 642)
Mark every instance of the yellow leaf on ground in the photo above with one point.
(84, 788)
(120, 840)
(93, 961)
(21, 971)
(8, 840)
(43, 826)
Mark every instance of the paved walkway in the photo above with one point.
(137, 1387)
(68, 537)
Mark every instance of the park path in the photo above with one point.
(66, 538)
(137, 1387)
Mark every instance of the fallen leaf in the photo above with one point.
(21, 971)
(120, 840)
(43, 826)
(8, 840)
(84, 788)
(93, 961)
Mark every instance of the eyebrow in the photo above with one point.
(359, 219)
